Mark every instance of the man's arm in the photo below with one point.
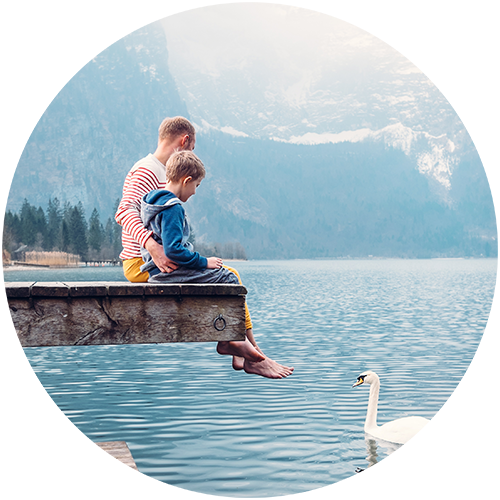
(162, 262)
(137, 184)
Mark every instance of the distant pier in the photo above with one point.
(102, 263)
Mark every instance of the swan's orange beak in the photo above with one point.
(358, 382)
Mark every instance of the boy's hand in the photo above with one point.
(164, 264)
(214, 263)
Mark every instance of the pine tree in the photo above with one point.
(108, 232)
(11, 231)
(54, 219)
(77, 229)
(96, 232)
(41, 223)
(117, 240)
(65, 237)
(28, 222)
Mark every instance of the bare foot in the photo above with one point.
(267, 368)
(242, 349)
(238, 363)
(258, 349)
(251, 338)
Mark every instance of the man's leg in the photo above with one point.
(246, 359)
(251, 357)
(248, 320)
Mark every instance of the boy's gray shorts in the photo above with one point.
(184, 275)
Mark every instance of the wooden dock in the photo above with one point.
(120, 451)
(103, 313)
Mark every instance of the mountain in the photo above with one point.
(356, 156)
(336, 200)
(298, 76)
(99, 124)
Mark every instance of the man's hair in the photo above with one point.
(173, 127)
(184, 164)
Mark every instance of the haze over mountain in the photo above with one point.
(319, 139)
(306, 78)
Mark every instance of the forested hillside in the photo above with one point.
(61, 228)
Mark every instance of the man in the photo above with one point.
(149, 174)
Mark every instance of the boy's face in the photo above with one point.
(188, 188)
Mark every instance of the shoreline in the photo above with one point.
(31, 267)
(37, 267)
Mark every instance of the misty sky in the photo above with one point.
(210, 35)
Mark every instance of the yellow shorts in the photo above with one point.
(248, 320)
(132, 271)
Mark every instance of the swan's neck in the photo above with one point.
(371, 414)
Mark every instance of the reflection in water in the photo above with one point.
(371, 448)
(388, 482)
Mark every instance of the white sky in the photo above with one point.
(220, 34)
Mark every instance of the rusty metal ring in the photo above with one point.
(218, 319)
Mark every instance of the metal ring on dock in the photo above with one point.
(217, 320)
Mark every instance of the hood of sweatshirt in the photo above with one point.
(155, 202)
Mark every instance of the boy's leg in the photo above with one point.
(185, 275)
(239, 362)
(248, 320)
(132, 270)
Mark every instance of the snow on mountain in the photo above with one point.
(232, 131)
(311, 138)
(435, 155)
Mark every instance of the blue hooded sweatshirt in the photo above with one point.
(162, 212)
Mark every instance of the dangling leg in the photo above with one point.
(246, 358)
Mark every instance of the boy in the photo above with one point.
(163, 214)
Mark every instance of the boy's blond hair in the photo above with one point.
(184, 164)
(173, 127)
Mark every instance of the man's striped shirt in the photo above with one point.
(146, 175)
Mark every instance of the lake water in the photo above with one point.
(191, 421)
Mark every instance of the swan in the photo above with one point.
(398, 431)
(411, 432)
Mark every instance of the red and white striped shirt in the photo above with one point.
(146, 175)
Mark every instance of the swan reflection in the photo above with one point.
(395, 453)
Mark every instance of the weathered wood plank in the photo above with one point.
(87, 289)
(116, 288)
(119, 288)
(115, 472)
(100, 313)
(212, 289)
(18, 289)
(49, 289)
(154, 289)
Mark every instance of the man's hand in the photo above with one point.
(164, 264)
(214, 263)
